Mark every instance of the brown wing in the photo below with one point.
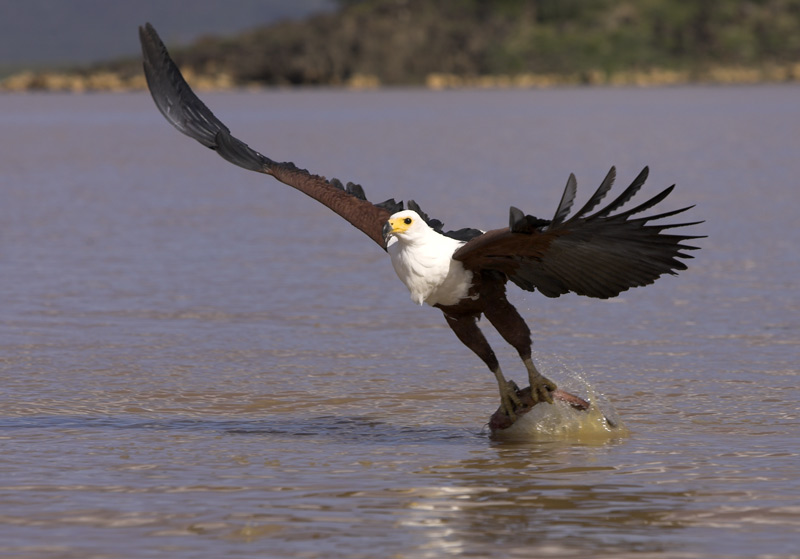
(181, 107)
(598, 255)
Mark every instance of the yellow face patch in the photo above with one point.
(401, 224)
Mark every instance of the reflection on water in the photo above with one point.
(445, 489)
(196, 361)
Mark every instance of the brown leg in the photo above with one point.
(508, 322)
(467, 330)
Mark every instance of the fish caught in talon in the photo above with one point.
(500, 420)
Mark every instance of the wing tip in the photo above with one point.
(567, 199)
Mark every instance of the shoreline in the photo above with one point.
(74, 82)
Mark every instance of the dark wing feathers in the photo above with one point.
(235, 151)
(599, 255)
(518, 222)
(186, 112)
(626, 195)
(391, 205)
(567, 198)
(658, 198)
(173, 96)
(182, 108)
(356, 190)
(600, 193)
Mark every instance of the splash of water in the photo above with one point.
(598, 424)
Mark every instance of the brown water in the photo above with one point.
(197, 361)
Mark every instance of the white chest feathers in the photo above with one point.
(422, 259)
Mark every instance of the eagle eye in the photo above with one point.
(407, 221)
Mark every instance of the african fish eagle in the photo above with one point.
(464, 273)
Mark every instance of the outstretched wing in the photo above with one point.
(181, 107)
(598, 255)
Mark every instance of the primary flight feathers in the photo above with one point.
(594, 255)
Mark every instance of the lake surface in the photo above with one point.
(198, 361)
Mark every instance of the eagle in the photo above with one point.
(465, 272)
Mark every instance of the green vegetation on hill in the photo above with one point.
(497, 42)
(405, 41)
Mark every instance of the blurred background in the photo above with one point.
(66, 45)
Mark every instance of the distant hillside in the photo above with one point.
(506, 42)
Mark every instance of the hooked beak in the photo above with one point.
(387, 231)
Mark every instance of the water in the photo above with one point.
(197, 361)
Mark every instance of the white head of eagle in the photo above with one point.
(422, 258)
